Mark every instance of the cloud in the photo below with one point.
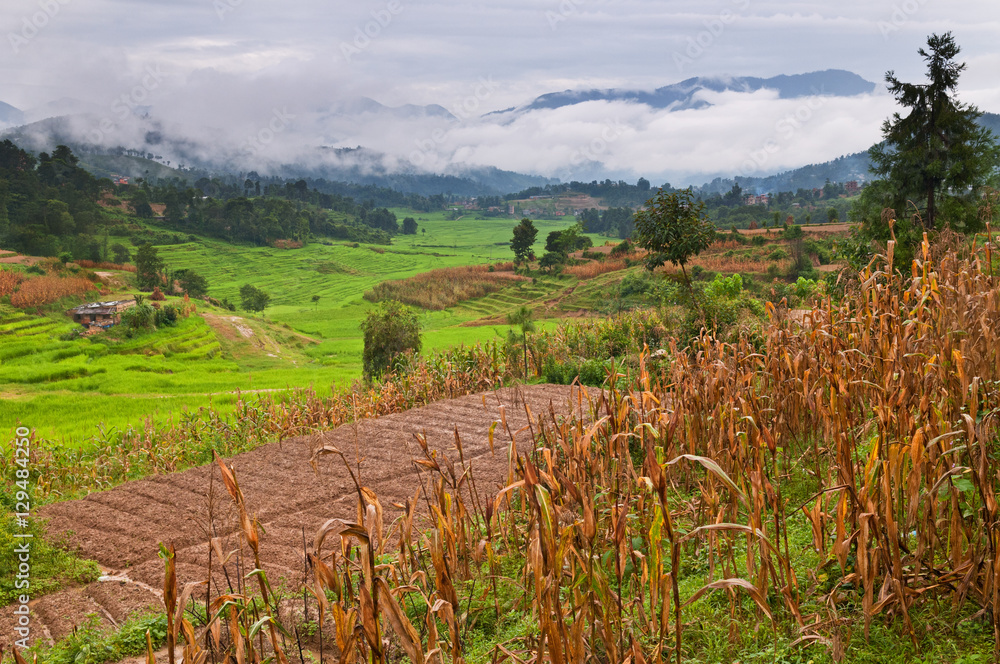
(229, 65)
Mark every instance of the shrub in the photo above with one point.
(166, 316)
(140, 317)
(253, 299)
(622, 249)
(389, 330)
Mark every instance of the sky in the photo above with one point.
(264, 80)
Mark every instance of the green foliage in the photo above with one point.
(148, 266)
(806, 288)
(409, 226)
(91, 644)
(389, 330)
(165, 316)
(52, 566)
(523, 239)
(623, 248)
(140, 317)
(552, 260)
(253, 299)
(120, 253)
(793, 232)
(592, 372)
(673, 228)
(937, 155)
(523, 319)
(722, 307)
(191, 282)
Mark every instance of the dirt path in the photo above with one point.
(121, 528)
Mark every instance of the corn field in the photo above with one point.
(37, 291)
(880, 409)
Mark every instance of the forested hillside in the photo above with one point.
(49, 205)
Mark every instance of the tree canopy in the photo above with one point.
(936, 156)
(389, 330)
(253, 299)
(673, 228)
(524, 238)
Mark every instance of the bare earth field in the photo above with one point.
(121, 528)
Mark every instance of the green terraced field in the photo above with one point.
(67, 388)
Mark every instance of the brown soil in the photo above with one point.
(121, 528)
(808, 228)
(20, 260)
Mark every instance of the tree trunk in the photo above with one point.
(929, 222)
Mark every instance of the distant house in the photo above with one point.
(100, 314)
(852, 188)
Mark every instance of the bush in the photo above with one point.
(622, 249)
(777, 254)
(140, 317)
(634, 284)
(253, 299)
(389, 331)
(167, 316)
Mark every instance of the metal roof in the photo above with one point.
(94, 307)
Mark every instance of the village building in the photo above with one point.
(100, 315)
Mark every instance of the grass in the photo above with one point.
(52, 566)
(67, 389)
(91, 643)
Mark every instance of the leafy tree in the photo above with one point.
(832, 215)
(389, 330)
(253, 299)
(191, 282)
(148, 265)
(523, 239)
(552, 260)
(409, 226)
(523, 319)
(140, 204)
(673, 227)
(120, 253)
(937, 155)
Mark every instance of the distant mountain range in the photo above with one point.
(10, 116)
(71, 122)
(684, 95)
(842, 169)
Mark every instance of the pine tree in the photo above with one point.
(936, 156)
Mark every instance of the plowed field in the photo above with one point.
(121, 528)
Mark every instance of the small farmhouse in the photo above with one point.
(100, 314)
